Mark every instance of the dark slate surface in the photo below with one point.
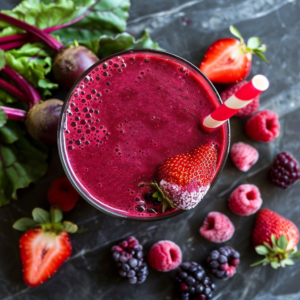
(185, 28)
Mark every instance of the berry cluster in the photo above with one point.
(193, 282)
(223, 262)
(285, 170)
(130, 260)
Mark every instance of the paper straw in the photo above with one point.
(233, 104)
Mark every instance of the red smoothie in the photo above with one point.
(125, 118)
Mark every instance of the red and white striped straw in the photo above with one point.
(233, 104)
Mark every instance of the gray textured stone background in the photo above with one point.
(89, 273)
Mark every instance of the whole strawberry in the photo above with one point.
(183, 180)
(229, 60)
(45, 245)
(276, 238)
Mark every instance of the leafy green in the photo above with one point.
(3, 118)
(42, 14)
(108, 45)
(2, 59)
(6, 98)
(107, 17)
(11, 132)
(21, 163)
(33, 62)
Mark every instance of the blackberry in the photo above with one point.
(129, 258)
(285, 170)
(193, 282)
(222, 263)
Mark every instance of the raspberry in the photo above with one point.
(246, 111)
(285, 170)
(193, 282)
(222, 263)
(63, 194)
(245, 200)
(263, 126)
(130, 261)
(164, 256)
(217, 228)
(243, 156)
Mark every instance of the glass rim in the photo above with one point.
(60, 138)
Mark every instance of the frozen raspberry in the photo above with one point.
(285, 170)
(222, 263)
(63, 194)
(245, 200)
(246, 111)
(130, 261)
(263, 126)
(217, 228)
(164, 256)
(243, 156)
(193, 283)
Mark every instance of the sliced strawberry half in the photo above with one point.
(229, 60)
(45, 245)
(42, 253)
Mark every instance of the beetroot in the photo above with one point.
(69, 62)
(42, 120)
(43, 116)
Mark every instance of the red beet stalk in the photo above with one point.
(14, 91)
(32, 94)
(46, 38)
(14, 113)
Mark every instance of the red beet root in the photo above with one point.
(70, 63)
(42, 120)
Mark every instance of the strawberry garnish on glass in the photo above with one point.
(45, 245)
(229, 60)
(184, 179)
(276, 238)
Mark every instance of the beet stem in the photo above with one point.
(25, 37)
(13, 90)
(23, 84)
(12, 45)
(57, 27)
(14, 113)
(41, 35)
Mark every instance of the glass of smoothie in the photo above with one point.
(126, 116)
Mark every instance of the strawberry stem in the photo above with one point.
(49, 222)
(159, 194)
(276, 255)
